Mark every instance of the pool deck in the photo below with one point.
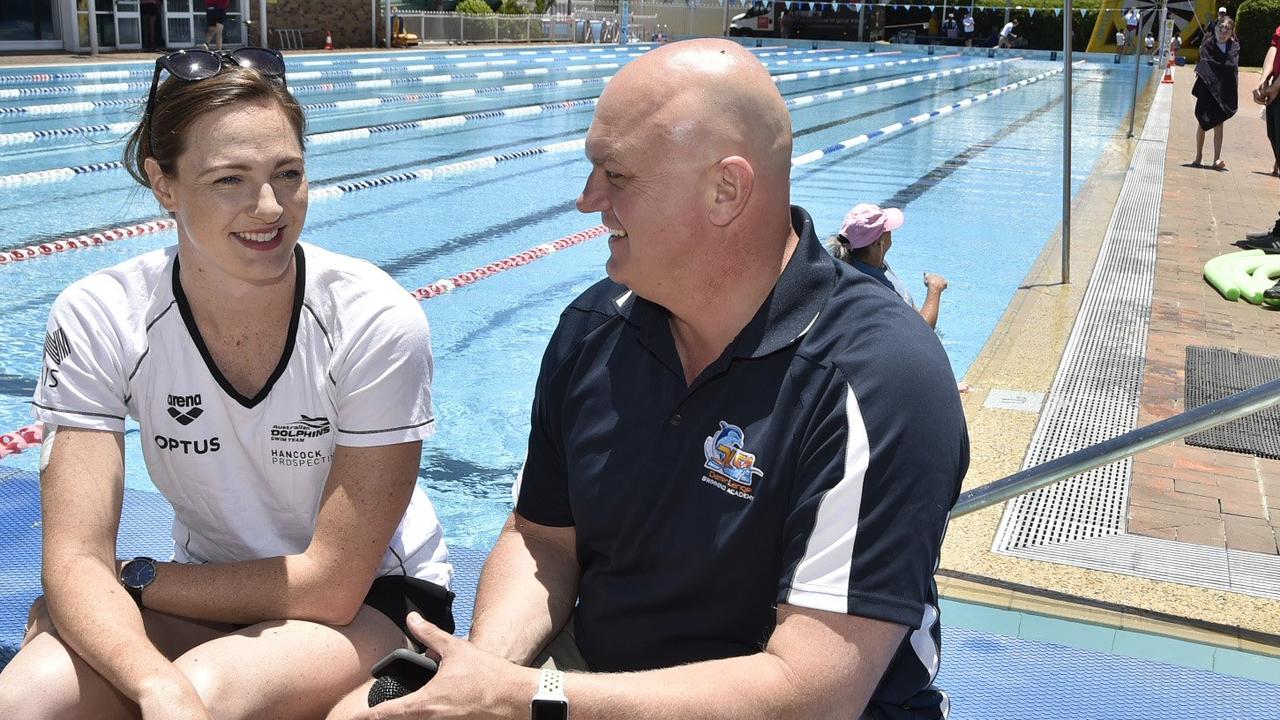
(1178, 493)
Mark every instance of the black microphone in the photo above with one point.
(399, 674)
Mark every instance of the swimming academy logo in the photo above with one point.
(732, 469)
(56, 346)
(300, 430)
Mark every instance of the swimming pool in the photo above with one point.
(980, 187)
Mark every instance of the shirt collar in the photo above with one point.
(786, 314)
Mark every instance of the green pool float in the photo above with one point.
(1246, 274)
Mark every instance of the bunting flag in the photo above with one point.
(1031, 12)
(1057, 12)
(1083, 12)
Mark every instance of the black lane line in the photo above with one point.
(416, 259)
(553, 293)
(886, 108)
(943, 170)
(963, 157)
(48, 237)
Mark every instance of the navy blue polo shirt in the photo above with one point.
(814, 463)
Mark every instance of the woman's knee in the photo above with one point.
(40, 681)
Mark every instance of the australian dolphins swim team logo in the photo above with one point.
(301, 430)
(732, 469)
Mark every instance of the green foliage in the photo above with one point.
(512, 7)
(540, 6)
(1255, 24)
(473, 7)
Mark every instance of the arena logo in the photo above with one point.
(57, 348)
(301, 430)
(185, 408)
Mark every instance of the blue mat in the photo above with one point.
(988, 675)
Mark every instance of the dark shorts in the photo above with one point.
(214, 16)
(397, 595)
(152, 10)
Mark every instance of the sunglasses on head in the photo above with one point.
(193, 65)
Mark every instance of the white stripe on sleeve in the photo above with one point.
(821, 581)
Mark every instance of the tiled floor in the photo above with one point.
(1178, 492)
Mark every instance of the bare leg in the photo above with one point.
(68, 688)
(1217, 148)
(1199, 145)
(218, 34)
(289, 669)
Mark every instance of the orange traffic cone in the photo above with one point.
(328, 40)
(1168, 72)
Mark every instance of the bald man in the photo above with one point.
(742, 454)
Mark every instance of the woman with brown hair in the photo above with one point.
(282, 394)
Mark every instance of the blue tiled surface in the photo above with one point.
(997, 677)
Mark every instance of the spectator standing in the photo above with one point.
(1007, 34)
(1132, 19)
(1216, 88)
(968, 29)
(950, 28)
(215, 14)
(1266, 94)
(149, 12)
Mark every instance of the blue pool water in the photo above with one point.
(980, 188)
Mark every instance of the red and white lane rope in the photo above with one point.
(83, 241)
(449, 284)
(32, 435)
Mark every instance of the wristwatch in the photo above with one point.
(550, 703)
(136, 575)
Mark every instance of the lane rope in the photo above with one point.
(32, 435)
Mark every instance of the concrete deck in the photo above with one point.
(1179, 493)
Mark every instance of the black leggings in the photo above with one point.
(1273, 129)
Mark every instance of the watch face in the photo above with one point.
(138, 573)
(550, 710)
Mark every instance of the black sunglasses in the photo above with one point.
(193, 65)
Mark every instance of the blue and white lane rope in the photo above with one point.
(85, 131)
(394, 64)
(447, 121)
(888, 84)
(815, 155)
(431, 173)
(63, 174)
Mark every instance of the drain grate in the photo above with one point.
(1095, 395)
(1214, 373)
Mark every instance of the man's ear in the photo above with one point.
(735, 179)
(161, 187)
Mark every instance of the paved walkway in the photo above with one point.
(1194, 494)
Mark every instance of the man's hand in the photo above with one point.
(471, 683)
(934, 282)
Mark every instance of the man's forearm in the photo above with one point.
(526, 593)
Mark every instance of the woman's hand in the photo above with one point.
(172, 699)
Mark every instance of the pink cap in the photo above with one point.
(865, 224)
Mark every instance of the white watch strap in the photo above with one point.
(551, 685)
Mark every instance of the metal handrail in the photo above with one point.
(1119, 447)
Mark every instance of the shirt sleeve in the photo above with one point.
(82, 381)
(383, 379)
(542, 489)
(881, 468)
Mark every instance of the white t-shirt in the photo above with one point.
(245, 475)
(968, 23)
(1007, 30)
